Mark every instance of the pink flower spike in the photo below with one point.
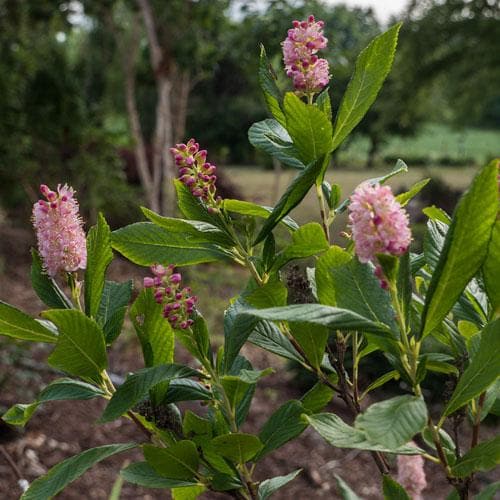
(378, 222)
(59, 231)
(411, 475)
(149, 282)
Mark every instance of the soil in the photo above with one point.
(61, 429)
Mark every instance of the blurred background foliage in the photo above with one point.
(64, 118)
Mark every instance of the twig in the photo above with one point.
(477, 421)
(11, 462)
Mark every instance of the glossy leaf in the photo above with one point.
(237, 447)
(465, 247)
(65, 472)
(491, 269)
(269, 486)
(269, 136)
(145, 243)
(482, 371)
(136, 387)
(99, 256)
(179, 461)
(393, 490)
(484, 456)
(142, 474)
(267, 81)
(372, 67)
(309, 128)
(45, 287)
(17, 324)
(113, 306)
(81, 348)
(404, 198)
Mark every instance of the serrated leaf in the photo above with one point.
(60, 389)
(267, 81)
(380, 381)
(309, 128)
(99, 256)
(437, 214)
(404, 198)
(237, 447)
(17, 324)
(393, 422)
(372, 67)
(272, 293)
(186, 390)
(179, 461)
(323, 102)
(294, 194)
(316, 314)
(311, 340)
(193, 208)
(308, 240)
(236, 386)
(393, 490)
(113, 306)
(45, 287)
(482, 371)
(334, 430)
(145, 243)
(81, 348)
(484, 456)
(491, 269)
(316, 398)
(59, 476)
(188, 492)
(136, 387)
(142, 474)
(267, 336)
(465, 247)
(284, 425)
(269, 136)
(269, 486)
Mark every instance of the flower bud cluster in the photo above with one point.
(379, 224)
(194, 171)
(308, 72)
(59, 231)
(178, 303)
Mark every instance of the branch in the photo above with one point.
(154, 46)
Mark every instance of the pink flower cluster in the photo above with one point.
(177, 303)
(411, 475)
(308, 72)
(379, 224)
(59, 231)
(194, 171)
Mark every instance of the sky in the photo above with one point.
(383, 9)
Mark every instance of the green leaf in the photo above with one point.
(308, 240)
(249, 208)
(345, 490)
(68, 470)
(186, 390)
(483, 457)
(380, 381)
(465, 247)
(60, 389)
(489, 492)
(137, 385)
(188, 492)
(154, 332)
(99, 256)
(404, 198)
(193, 425)
(323, 102)
(312, 340)
(14, 323)
(191, 207)
(272, 293)
(45, 287)
(309, 128)
(116, 490)
(372, 67)
(342, 281)
(292, 196)
(267, 81)
(339, 434)
(237, 447)
(269, 486)
(192, 230)
(142, 474)
(393, 490)
(80, 349)
(482, 371)
(316, 314)
(179, 461)
(437, 214)
(269, 136)
(284, 425)
(236, 386)
(113, 306)
(267, 336)
(316, 398)
(145, 243)
(491, 269)
(393, 422)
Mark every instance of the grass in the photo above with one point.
(434, 143)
